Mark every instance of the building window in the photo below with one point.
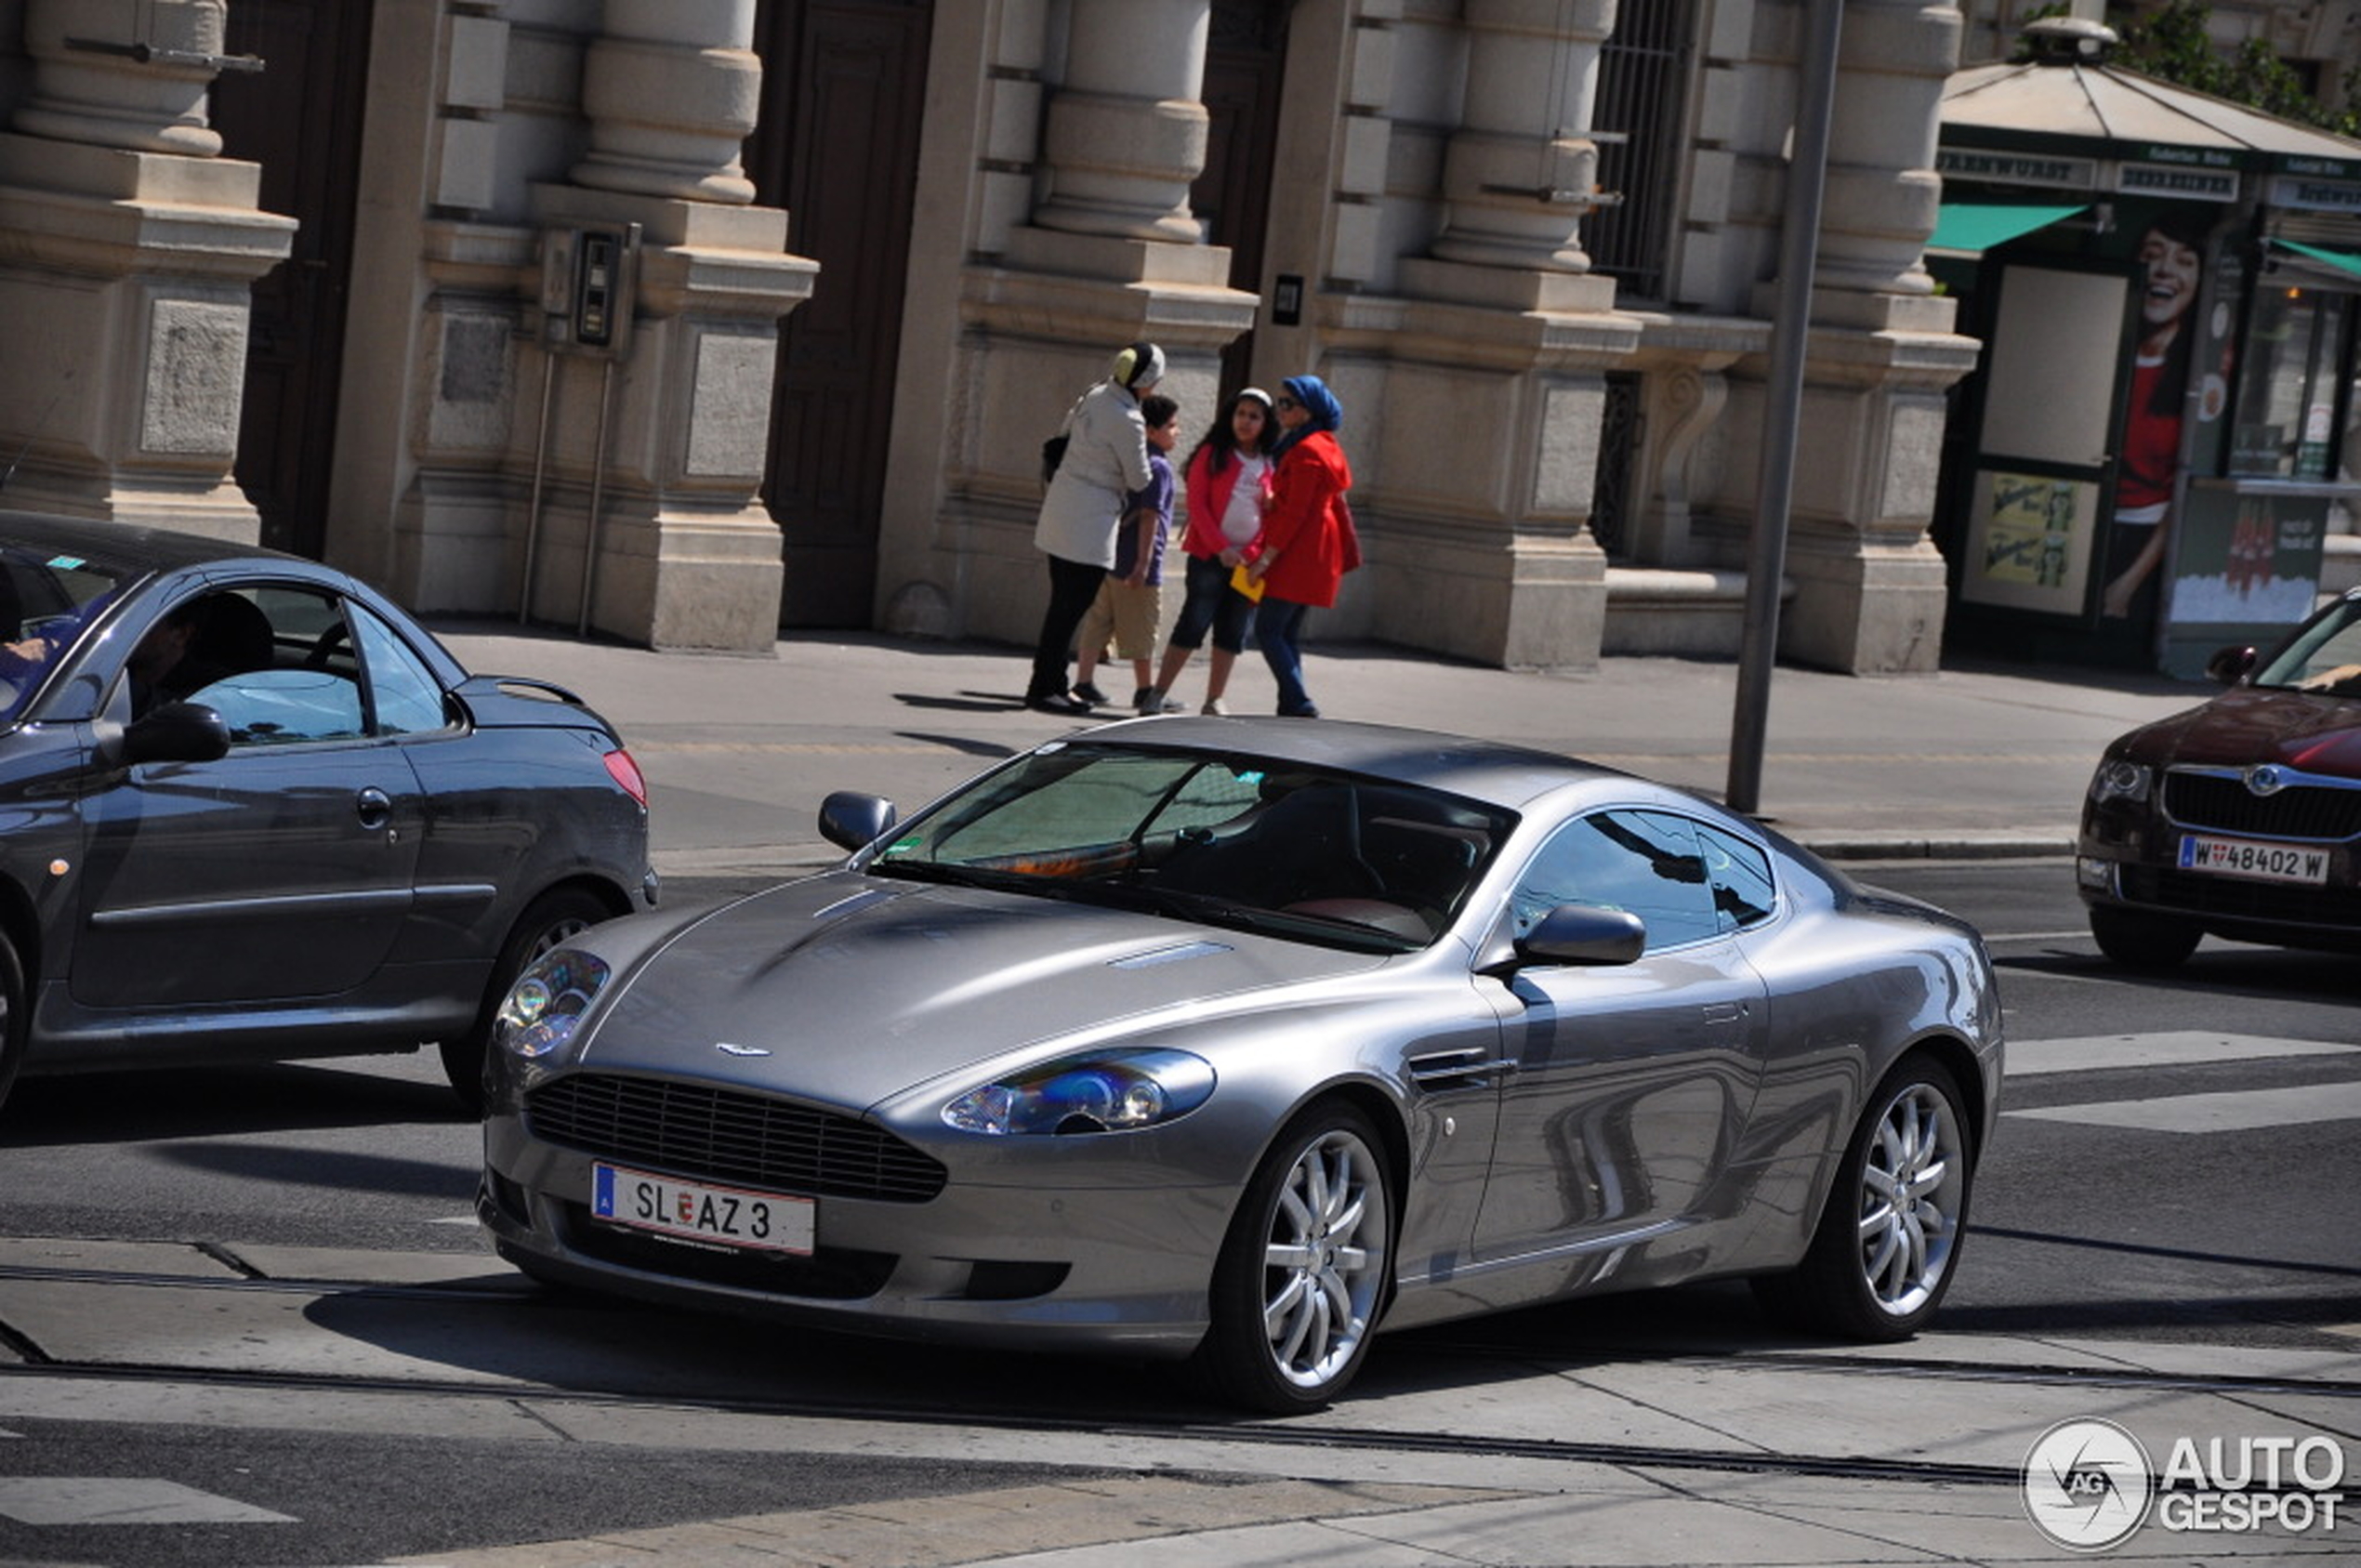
(1640, 111)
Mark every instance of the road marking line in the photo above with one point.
(2096, 1053)
(69, 1499)
(2241, 1111)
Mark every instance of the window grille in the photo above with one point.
(1643, 69)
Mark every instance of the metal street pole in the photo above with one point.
(1783, 399)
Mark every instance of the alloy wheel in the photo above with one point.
(1324, 1258)
(1913, 1190)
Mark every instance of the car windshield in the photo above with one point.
(2323, 657)
(1226, 841)
(47, 600)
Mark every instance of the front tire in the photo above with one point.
(547, 923)
(2138, 940)
(1302, 1273)
(1887, 1241)
(15, 1020)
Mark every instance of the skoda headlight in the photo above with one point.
(547, 1001)
(1109, 1091)
(2120, 779)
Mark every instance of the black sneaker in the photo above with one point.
(1085, 691)
(1058, 703)
(1147, 702)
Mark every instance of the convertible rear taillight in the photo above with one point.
(625, 772)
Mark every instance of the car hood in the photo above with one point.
(848, 989)
(2316, 734)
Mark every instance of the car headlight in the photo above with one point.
(542, 1009)
(1111, 1091)
(2120, 780)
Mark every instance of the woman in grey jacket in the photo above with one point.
(1106, 459)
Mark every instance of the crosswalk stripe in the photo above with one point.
(72, 1500)
(2169, 1048)
(2237, 1111)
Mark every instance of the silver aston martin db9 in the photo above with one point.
(1236, 1039)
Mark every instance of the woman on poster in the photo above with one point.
(2172, 259)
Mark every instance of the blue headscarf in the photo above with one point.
(1318, 401)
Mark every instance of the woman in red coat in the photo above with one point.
(1302, 557)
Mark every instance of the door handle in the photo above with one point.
(373, 807)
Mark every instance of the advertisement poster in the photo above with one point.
(2027, 541)
(2246, 570)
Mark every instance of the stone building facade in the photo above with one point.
(579, 351)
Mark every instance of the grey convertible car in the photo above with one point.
(250, 810)
(1234, 1038)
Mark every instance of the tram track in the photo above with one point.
(933, 1406)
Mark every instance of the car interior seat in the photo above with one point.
(233, 637)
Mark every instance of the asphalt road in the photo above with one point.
(368, 1424)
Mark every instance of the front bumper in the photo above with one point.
(1068, 1266)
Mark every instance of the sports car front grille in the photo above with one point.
(2233, 899)
(730, 1137)
(2221, 803)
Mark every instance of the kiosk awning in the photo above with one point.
(2342, 260)
(1974, 228)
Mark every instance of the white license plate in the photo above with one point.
(729, 1215)
(2243, 857)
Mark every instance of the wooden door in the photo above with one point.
(1245, 55)
(843, 87)
(299, 117)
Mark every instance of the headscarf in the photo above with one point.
(1318, 401)
(1138, 367)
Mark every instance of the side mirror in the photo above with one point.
(175, 732)
(2230, 665)
(853, 821)
(1580, 933)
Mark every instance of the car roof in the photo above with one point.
(1491, 772)
(126, 545)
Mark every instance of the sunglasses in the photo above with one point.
(1286, 402)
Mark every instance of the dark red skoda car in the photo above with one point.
(2240, 818)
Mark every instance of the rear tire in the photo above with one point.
(1887, 1242)
(547, 923)
(2139, 940)
(1303, 1270)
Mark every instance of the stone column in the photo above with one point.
(685, 556)
(133, 251)
(1126, 136)
(1522, 167)
(1870, 584)
(1506, 317)
(1111, 254)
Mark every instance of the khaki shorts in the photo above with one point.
(1127, 611)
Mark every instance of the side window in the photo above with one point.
(405, 696)
(242, 652)
(1647, 862)
(1743, 891)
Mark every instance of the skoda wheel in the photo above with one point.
(2138, 940)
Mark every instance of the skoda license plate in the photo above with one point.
(726, 1216)
(2243, 857)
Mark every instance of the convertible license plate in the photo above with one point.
(2243, 857)
(729, 1215)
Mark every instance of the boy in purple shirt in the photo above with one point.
(1128, 600)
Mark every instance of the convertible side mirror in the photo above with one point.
(2229, 665)
(853, 821)
(1581, 933)
(175, 732)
